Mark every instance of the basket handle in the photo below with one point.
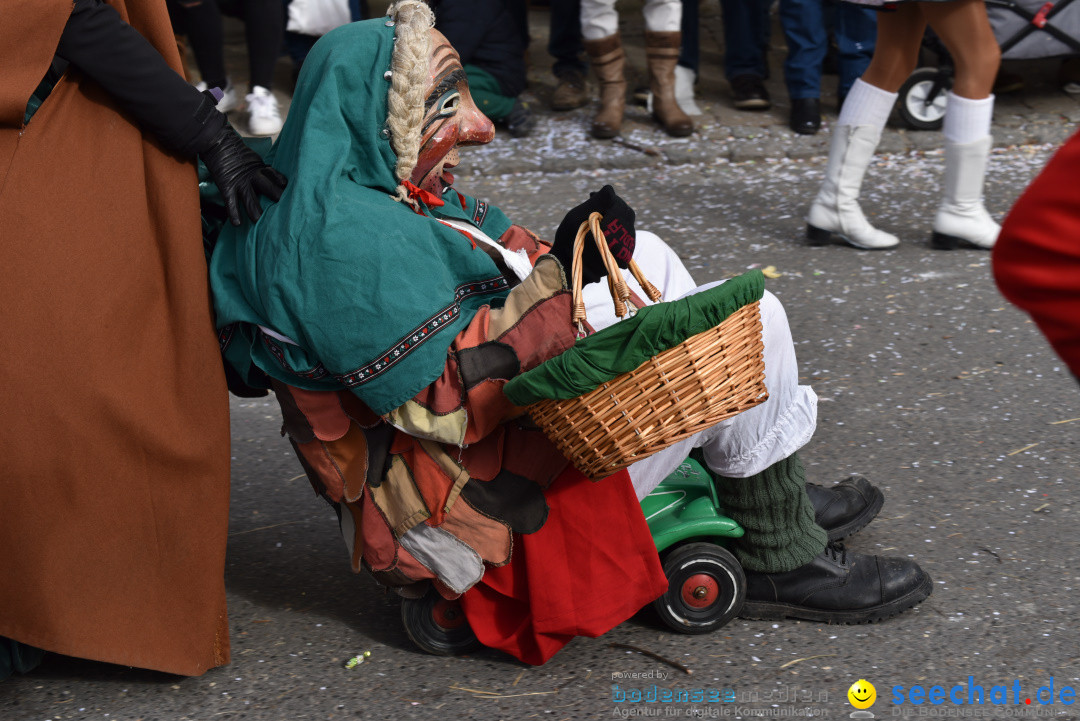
(620, 293)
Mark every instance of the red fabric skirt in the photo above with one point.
(592, 566)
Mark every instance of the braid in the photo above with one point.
(412, 48)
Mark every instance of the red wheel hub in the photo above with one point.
(700, 590)
(448, 614)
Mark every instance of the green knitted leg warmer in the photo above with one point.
(774, 510)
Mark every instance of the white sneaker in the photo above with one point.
(229, 100)
(264, 117)
(684, 90)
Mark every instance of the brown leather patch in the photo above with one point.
(328, 476)
(380, 548)
(485, 535)
(350, 456)
(399, 498)
(323, 411)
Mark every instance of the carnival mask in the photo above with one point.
(451, 119)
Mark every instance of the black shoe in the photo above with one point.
(748, 93)
(837, 587)
(846, 507)
(520, 121)
(805, 116)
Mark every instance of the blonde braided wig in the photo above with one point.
(412, 48)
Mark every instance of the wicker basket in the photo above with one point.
(709, 377)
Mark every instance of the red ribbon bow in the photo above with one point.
(427, 198)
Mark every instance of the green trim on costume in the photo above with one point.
(487, 94)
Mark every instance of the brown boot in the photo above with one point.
(570, 93)
(662, 51)
(609, 62)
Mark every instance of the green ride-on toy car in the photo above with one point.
(706, 585)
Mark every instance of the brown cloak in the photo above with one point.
(114, 448)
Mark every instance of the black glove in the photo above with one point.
(618, 227)
(240, 174)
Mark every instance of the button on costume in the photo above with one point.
(387, 311)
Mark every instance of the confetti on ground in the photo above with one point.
(1021, 450)
(770, 271)
(799, 660)
(357, 659)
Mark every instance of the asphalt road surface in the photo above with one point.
(930, 384)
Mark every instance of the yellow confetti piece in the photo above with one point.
(770, 271)
(1021, 450)
(807, 658)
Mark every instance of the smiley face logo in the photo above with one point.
(862, 694)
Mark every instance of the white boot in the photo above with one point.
(836, 207)
(961, 215)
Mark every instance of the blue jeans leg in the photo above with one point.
(803, 22)
(856, 35)
(564, 38)
(690, 52)
(746, 37)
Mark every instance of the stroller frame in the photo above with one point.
(921, 102)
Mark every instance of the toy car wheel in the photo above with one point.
(921, 107)
(437, 626)
(706, 588)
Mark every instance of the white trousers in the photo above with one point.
(744, 444)
(599, 18)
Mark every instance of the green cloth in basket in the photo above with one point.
(624, 346)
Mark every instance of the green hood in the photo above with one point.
(371, 292)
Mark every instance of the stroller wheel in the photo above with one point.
(706, 588)
(437, 626)
(922, 99)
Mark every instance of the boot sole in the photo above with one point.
(752, 104)
(941, 241)
(820, 236)
(678, 132)
(860, 521)
(817, 236)
(776, 611)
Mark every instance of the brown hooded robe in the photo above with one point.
(114, 448)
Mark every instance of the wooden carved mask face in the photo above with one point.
(451, 119)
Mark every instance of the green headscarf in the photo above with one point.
(371, 292)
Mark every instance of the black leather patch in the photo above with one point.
(295, 423)
(510, 498)
(491, 360)
(378, 439)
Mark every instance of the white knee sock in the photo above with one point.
(663, 16)
(866, 104)
(599, 19)
(967, 120)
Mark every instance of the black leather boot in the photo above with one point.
(837, 587)
(845, 508)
